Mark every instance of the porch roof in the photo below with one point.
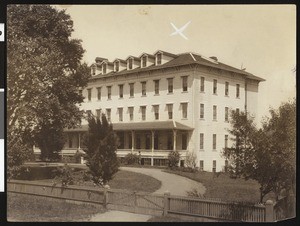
(156, 125)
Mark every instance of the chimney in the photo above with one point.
(214, 58)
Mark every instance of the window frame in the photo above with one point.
(158, 58)
(143, 111)
(121, 90)
(215, 86)
(214, 145)
(184, 110)
(202, 84)
(170, 113)
(226, 114)
(237, 91)
(109, 88)
(120, 111)
(201, 144)
(131, 116)
(202, 111)
(156, 86)
(144, 88)
(131, 89)
(215, 114)
(170, 84)
(156, 111)
(89, 90)
(99, 93)
(226, 89)
(184, 83)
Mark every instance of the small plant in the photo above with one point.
(173, 158)
(131, 159)
(194, 193)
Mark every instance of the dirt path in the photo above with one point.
(175, 184)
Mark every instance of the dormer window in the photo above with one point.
(104, 68)
(93, 70)
(130, 63)
(158, 59)
(144, 61)
(117, 65)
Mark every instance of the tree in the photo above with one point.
(190, 160)
(266, 155)
(101, 150)
(44, 73)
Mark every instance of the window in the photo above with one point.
(93, 70)
(226, 114)
(214, 141)
(184, 141)
(202, 79)
(237, 90)
(201, 165)
(158, 59)
(99, 93)
(184, 83)
(201, 141)
(89, 94)
(121, 91)
(170, 111)
(238, 111)
(108, 92)
(98, 113)
(156, 87)
(80, 92)
(138, 141)
(214, 166)
(215, 112)
(215, 87)
(130, 63)
(130, 109)
(202, 111)
(143, 109)
(131, 87)
(144, 61)
(226, 88)
(104, 68)
(117, 65)
(120, 110)
(156, 111)
(170, 85)
(70, 140)
(143, 88)
(108, 114)
(184, 110)
(226, 141)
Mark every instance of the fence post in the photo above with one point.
(105, 195)
(269, 211)
(166, 202)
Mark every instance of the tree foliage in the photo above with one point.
(266, 155)
(190, 160)
(44, 73)
(101, 150)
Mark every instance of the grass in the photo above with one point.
(122, 179)
(224, 187)
(32, 208)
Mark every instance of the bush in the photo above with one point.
(131, 159)
(65, 175)
(173, 158)
(190, 160)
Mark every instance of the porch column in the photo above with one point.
(132, 140)
(174, 139)
(79, 140)
(152, 146)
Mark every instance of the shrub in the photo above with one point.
(131, 159)
(65, 175)
(173, 158)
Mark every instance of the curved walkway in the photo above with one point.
(175, 184)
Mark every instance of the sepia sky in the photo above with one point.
(262, 38)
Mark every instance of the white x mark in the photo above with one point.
(180, 30)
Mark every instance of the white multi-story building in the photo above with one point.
(163, 102)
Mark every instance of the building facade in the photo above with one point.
(163, 102)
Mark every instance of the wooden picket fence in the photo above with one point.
(152, 204)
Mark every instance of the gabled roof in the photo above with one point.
(186, 59)
(135, 58)
(155, 125)
(122, 61)
(166, 53)
(100, 59)
(149, 55)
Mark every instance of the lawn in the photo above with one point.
(224, 187)
(31, 208)
(121, 180)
